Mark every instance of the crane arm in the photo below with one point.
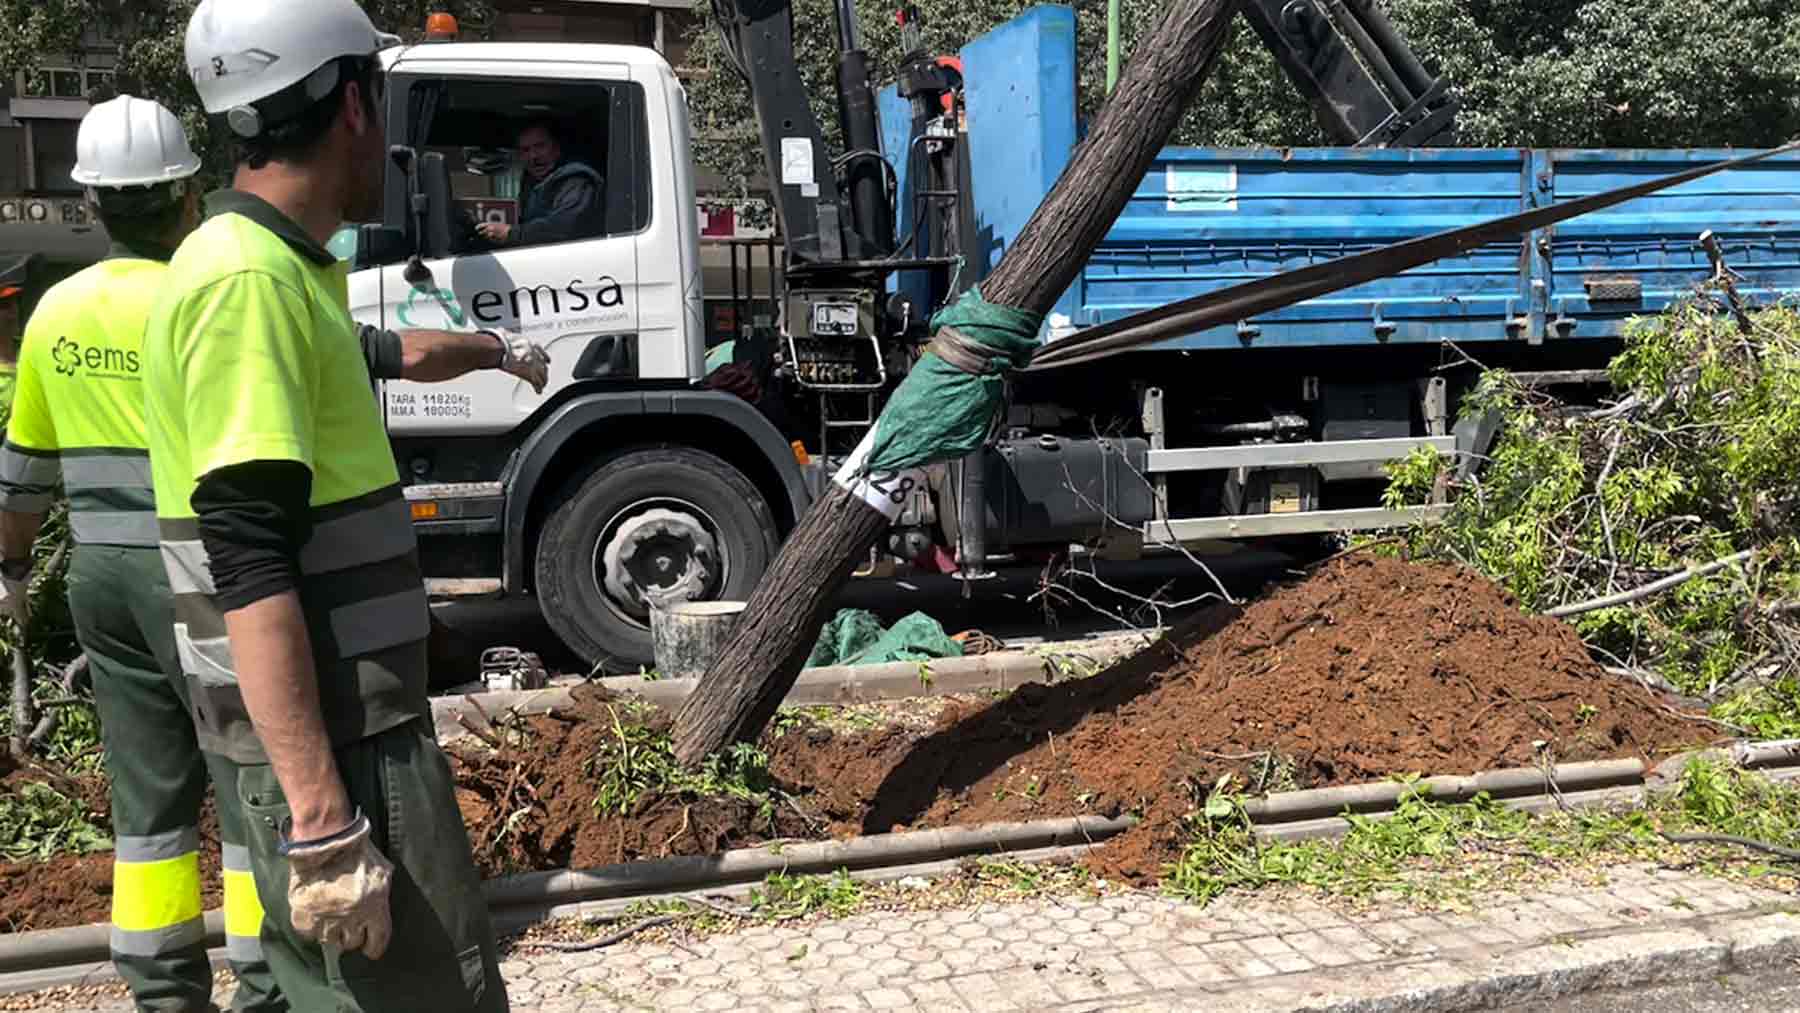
(1365, 84)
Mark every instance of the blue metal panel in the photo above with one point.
(1019, 94)
(1755, 211)
(895, 114)
(1019, 90)
(1203, 219)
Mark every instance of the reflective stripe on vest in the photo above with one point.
(243, 908)
(156, 906)
(359, 571)
(28, 478)
(111, 501)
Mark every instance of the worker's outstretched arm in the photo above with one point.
(431, 356)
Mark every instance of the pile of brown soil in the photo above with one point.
(77, 889)
(530, 803)
(1371, 667)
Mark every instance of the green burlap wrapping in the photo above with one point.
(939, 412)
(855, 637)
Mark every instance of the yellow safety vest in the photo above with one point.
(78, 410)
(251, 355)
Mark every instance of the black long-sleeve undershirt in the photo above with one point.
(254, 519)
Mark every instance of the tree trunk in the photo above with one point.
(742, 689)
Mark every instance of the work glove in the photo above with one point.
(338, 891)
(524, 359)
(15, 598)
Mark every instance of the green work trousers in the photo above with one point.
(120, 600)
(442, 958)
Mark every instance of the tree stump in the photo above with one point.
(687, 636)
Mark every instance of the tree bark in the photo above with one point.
(742, 689)
(24, 714)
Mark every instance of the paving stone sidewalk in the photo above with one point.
(1143, 953)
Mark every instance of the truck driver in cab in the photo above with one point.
(562, 198)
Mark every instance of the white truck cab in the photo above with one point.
(621, 110)
(624, 481)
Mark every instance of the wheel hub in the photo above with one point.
(659, 555)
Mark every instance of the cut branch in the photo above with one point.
(1651, 589)
(24, 714)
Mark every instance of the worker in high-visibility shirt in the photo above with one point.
(80, 423)
(78, 420)
(300, 610)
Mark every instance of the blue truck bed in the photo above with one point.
(1203, 219)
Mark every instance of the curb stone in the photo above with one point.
(1287, 815)
(1001, 671)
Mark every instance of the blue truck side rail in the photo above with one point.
(1202, 219)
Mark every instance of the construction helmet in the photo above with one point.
(133, 157)
(260, 63)
(131, 142)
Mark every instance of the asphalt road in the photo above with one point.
(1766, 992)
(1008, 607)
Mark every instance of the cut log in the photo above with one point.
(687, 636)
(742, 689)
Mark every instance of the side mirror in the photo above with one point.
(406, 160)
(434, 187)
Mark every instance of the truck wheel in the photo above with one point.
(669, 524)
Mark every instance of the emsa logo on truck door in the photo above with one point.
(490, 307)
(443, 297)
(527, 305)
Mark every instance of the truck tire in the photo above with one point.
(652, 522)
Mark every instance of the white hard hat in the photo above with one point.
(131, 142)
(243, 52)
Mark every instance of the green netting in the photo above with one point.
(856, 637)
(941, 413)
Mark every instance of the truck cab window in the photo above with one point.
(533, 163)
(561, 198)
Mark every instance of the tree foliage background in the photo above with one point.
(1601, 73)
(146, 36)
(1575, 73)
